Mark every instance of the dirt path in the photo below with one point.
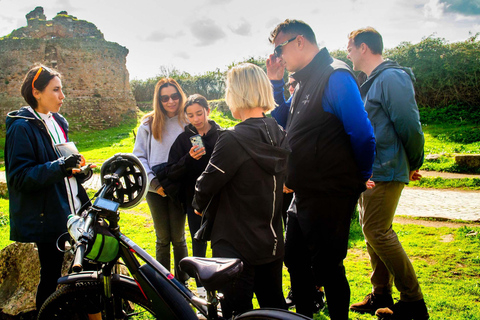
(448, 175)
(437, 223)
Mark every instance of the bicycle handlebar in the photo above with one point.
(81, 245)
(79, 255)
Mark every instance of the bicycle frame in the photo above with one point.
(151, 277)
(167, 298)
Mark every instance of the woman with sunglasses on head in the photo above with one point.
(155, 136)
(245, 177)
(44, 186)
(186, 163)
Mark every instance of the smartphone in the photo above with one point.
(196, 140)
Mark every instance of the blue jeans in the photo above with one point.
(169, 223)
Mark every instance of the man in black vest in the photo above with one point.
(390, 102)
(333, 147)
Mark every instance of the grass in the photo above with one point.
(447, 264)
(441, 183)
(446, 260)
(443, 139)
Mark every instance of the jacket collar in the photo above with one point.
(387, 64)
(321, 60)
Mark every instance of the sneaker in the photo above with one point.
(372, 302)
(402, 310)
(289, 300)
(201, 293)
(319, 302)
(200, 316)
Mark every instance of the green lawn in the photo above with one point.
(447, 262)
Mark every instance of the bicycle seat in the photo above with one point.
(213, 273)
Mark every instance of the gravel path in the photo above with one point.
(417, 202)
(433, 203)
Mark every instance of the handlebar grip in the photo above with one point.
(79, 255)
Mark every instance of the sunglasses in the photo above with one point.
(174, 97)
(293, 84)
(278, 49)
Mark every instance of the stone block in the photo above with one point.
(468, 160)
(19, 277)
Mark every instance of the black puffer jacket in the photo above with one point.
(182, 170)
(246, 175)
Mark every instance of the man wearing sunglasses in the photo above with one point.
(333, 147)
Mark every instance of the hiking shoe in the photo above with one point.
(372, 302)
(402, 310)
(289, 300)
(319, 302)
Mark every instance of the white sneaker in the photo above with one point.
(201, 292)
(200, 316)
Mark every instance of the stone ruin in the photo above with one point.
(94, 74)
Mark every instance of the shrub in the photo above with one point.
(446, 73)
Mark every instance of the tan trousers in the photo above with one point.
(389, 261)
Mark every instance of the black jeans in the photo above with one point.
(315, 246)
(51, 260)
(199, 249)
(264, 280)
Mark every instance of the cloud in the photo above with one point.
(243, 29)
(158, 36)
(465, 7)
(182, 54)
(216, 2)
(434, 9)
(206, 31)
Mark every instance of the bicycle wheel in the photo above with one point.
(75, 301)
(270, 314)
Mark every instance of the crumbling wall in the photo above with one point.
(94, 74)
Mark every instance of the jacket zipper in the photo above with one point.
(275, 238)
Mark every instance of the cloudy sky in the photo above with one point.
(202, 35)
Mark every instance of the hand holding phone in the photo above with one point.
(197, 145)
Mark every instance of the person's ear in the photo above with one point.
(363, 47)
(208, 112)
(36, 93)
(300, 41)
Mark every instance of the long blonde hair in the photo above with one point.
(158, 116)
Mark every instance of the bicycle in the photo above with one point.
(152, 292)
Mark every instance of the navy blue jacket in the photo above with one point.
(37, 182)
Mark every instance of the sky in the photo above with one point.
(197, 36)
